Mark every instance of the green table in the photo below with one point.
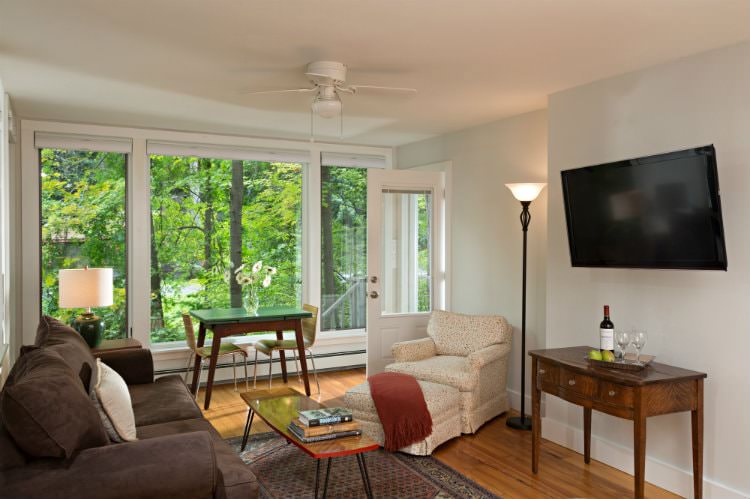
(225, 322)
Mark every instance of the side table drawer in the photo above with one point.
(579, 383)
(547, 374)
(612, 393)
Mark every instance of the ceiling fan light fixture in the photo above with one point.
(327, 107)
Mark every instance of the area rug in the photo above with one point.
(284, 471)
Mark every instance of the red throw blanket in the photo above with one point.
(401, 408)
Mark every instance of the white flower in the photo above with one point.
(246, 280)
(258, 265)
(267, 281)
(239, 269)
(227, 275)
(271, 270)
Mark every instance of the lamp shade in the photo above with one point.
(326, 107)
(85, 288)
(525, 192)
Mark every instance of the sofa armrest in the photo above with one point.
(488, 354)
(135, 365)
(175, 466)
(414, 350)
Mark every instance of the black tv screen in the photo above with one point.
(660, 211)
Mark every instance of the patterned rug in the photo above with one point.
(284, 471)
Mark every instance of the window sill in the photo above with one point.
(329, 340)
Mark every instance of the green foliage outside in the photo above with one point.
(190, 233)
(343, 247)
(83, 223)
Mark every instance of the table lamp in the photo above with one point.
(86, 288)
(525, 193)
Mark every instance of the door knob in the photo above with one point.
(374, 294)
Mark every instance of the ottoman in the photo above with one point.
(443, 403)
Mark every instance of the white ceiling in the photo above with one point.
(181, 64)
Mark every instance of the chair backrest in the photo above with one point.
(310, 324)
(189, 331)
(460, 334)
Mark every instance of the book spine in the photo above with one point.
(320, 438)
(325, 421)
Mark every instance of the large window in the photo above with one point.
(83, 224)
(208, 217)
(343, 247)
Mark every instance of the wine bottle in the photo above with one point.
(607, 333)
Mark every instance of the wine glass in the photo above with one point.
(639, 341)
(622, 336)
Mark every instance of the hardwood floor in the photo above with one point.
(496, 457)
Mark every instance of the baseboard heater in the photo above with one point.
(266, 360)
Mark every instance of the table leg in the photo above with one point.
(587, 435)
(696, 418)
(317, 476)
(301, 349)
(365, 475)
(282, 356)
(197, 365)
(248, 424)
(325, 483)
(215, 346)
(536, 418)
(639, 446)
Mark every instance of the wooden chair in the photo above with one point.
(309, 328)
(204, 353)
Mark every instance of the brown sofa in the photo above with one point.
(53, 446)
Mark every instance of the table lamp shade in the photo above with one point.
(85, 288)
(525, 192)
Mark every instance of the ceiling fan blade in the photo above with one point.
(281, 91)
(356, 88)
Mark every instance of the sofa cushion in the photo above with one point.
(74, 350)
(46, 410)
(112, 401)
(238, 479)
(10, 455)
(166, 399)
(459, 334)
(443, 369)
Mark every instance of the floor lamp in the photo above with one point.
(525, 193)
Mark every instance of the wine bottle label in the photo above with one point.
(607, 339)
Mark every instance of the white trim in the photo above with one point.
(226, 152)
(352, 160)
(44, 140)
(658, 472)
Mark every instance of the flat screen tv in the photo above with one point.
(658, 212)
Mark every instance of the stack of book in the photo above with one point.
(324, 424)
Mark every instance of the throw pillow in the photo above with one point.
(459, 334)
(112, 399)
(63, 339)
(46, 410)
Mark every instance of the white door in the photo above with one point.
(405, 260)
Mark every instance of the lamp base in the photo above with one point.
(90, 327)
(519, 423)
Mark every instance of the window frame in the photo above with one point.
(138, 213)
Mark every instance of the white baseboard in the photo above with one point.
(658, 473)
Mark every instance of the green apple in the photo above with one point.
(608, 356)
(595, 355)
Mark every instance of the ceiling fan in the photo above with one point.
(328, 80)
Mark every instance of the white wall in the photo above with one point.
(486, 231)
(695, 319)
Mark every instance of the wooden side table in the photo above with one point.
(118, 344)
(635, 395)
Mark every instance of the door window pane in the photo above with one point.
(343, 247)
(83, 224)
(407, 252)
(208, 216)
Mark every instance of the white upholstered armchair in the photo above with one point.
(468, 352)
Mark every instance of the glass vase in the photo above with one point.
(250, 300)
